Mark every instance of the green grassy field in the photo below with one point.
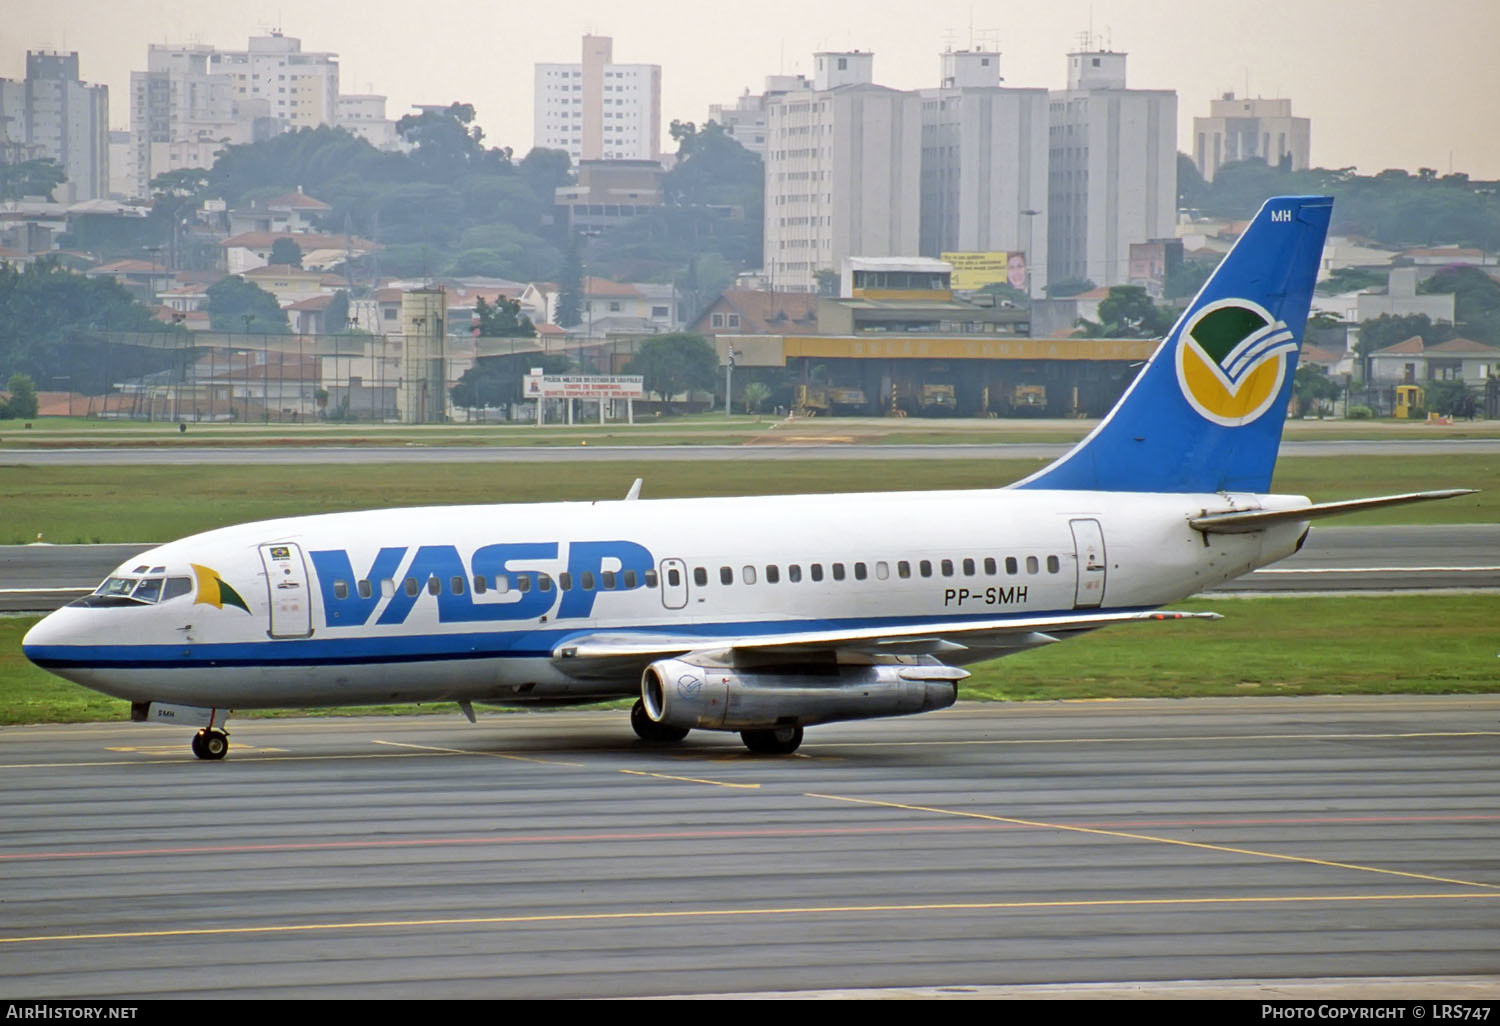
(135, 503)
(1407, 644)
(696, 429)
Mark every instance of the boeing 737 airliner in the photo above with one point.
(757, 615)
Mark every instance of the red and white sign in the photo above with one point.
(584, 386)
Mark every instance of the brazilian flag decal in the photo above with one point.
(213, 591)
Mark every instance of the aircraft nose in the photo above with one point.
(41, 643)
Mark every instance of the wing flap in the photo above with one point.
(596, 651)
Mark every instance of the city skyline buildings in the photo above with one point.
(1387, 84)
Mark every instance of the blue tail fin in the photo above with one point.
(1205, 413)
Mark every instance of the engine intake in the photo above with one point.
(680, 693)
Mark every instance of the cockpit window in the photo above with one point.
(138, 591)
(120, 586)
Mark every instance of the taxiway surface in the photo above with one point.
(549, 855)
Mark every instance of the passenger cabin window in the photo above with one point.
(726, 575)
(412, 587)
(587, 579)
(947, 568)
(457, 584)
(838, 571)
(817, 571)
(747, 574)
(523, 582)
(543, 582)
(607, 580)
(651, 578)
(968, 568)
(565, 581)
(925, 568)
(478, 584)
(630, 579)
(794, 573)
(387, 587)
(903, 569)
(989, 565)
(773, 574)
(700, 576)
(1032, 566)
(859, 571)
(1010, 565)
(1054, 564)
(434, 586)
(341, 589)
(882, 571)
(364, 589)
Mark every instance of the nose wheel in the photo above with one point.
(210, 744)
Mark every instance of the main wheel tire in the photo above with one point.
(198, 746)
(215, 744)
(648, 729)
(776, 741)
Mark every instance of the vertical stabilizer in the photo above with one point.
(1206, 412)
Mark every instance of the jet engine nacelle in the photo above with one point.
(680, 693)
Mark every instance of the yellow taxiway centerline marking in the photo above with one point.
(1126, 835)
(1180, 739)
(690, 780)
(468, 751)
(188, 760)
(596, 917)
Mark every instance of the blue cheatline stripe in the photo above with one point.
(420, 648)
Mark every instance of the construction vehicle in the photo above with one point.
(815, 400)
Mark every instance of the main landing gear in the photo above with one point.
(210, 744)
(776, 741)
(648, 730)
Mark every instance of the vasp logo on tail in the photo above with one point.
(1232, 358)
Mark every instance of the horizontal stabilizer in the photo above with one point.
(1244, 521)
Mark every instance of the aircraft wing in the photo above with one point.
(611, 653)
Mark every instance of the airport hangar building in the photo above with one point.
(899, 340)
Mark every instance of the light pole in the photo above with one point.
(730, 354)
(1030, 216)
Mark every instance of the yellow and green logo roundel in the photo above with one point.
(214, 591)
(1232, 358)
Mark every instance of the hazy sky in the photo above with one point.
(1387, 83)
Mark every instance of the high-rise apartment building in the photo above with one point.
(984, 162)
(843, 172)
(1237, 129)
(51, 114)
(745, 119)
(300, 89)
(193, 100)
(597, 109)
(1113, 169)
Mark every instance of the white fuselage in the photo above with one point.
(472, 602)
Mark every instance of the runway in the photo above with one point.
(551, 855)
(812, 448)
(36, 578)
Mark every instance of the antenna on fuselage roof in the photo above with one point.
(635, 491)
